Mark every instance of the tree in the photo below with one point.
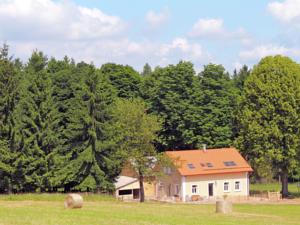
(169, 92)
(37, 123)
(269, 116)
(146, 70)
(216, 101)
(9, 95)
(240, 77)
(136, 131)
(125, 79)
(88, 162)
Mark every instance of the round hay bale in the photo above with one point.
(223, 207)
(73, 201)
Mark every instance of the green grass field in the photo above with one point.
(41, 209)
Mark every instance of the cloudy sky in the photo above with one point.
(160, 32)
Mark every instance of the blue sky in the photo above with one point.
(231, 32)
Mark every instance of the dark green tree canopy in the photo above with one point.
(125, 79)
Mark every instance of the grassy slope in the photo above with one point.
(48, 209)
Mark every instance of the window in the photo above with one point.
(125, 192)
(194, 189)
(237, 186)
(226, 186)
(190, 166)
(229, 163)
(209, 164)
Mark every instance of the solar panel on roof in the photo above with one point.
(229, 163)
(190, 166)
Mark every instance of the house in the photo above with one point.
(195, 175)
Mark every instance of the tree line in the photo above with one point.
(71, 126)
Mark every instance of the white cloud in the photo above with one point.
(157, 19)
(285, 11)
(121, 51)
(207, 28)
(60, 28)
(261, 51)
(214, 29)
(46, 19)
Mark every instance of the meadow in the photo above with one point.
(42, 209)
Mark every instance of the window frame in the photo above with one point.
(196, 188)
(240, 184)
(228, 186)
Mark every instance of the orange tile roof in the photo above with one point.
(216, 157)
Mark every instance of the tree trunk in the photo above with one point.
(9, 187)
(284, 184)
(142, 193)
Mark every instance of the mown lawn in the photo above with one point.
(49, 209)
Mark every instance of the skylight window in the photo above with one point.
(191, 166)
(209, 164)
(229, 163)
(202, 164)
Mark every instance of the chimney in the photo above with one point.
(204, 147)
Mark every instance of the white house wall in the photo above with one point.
(218, 183)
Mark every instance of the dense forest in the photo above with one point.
(62, 123)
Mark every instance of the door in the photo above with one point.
(136, 193)
(211, 189)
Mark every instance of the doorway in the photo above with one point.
(211, 189)
(136, 193)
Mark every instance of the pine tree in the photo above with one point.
(9, 82)
(88, 163)
(37, 125)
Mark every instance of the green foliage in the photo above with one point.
(124, 78)
(169, 93)
(37, 124)
(217, 102)
(88, 161)
(9, 95)
(135, 132)
(269, 113)
(146, 70)
(240, 77)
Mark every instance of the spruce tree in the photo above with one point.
(37, 123)
(88, 163)
(9, 85)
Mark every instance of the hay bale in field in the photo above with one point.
(73, 201)
(223, 207)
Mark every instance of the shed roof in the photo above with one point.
(210, 161)
(124, 181)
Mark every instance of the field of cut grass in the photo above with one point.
(49, 209)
